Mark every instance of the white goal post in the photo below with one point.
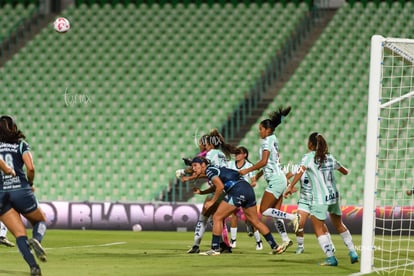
(388, 216)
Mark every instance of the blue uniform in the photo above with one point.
(15, 192)
(238, 191)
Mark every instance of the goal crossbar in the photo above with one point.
(396, 45)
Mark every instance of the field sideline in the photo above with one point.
(77, 252)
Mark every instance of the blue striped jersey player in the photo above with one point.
(238, 193)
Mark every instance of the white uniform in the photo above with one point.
(232, 165)
(273, 173)
(217, 158)
(325, 195)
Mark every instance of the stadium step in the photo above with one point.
(17, 40)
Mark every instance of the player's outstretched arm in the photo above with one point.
(260, 164)
(343, 170)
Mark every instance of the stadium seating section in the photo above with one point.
(11, 16)
(329, 91)
(110, 107)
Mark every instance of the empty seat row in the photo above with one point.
(152, 87)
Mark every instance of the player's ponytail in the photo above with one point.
(320, 147)
(217, 140)
(275, 118)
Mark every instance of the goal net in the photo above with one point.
(388, 218)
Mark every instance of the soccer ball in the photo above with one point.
(61, 25)
(137, 228)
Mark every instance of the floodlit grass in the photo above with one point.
(77, 252)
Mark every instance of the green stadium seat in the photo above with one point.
(145, 82)
(342, 80)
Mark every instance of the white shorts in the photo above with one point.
(320, 211)
(304, 206)
(276, 185)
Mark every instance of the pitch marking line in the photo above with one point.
(87, 246)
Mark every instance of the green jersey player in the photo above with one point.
(274, 175)
(319, 166)
(304, 207)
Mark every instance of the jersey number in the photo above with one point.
(8, 159)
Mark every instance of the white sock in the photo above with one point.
(326, 245)
(200, 229)
(347, 238)
(301, 241)
(256, 235)
(275, 213)
(330, 239)
(281, 229)
(233, 233)
(3, 230)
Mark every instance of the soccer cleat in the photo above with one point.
(354, 257)
(224, 248)
(259, 245)
(194, 249)
(330, 261)
(277, 250)
(35, 271)
(286, 244)
(295, 223)
(300, 250)
(4, 241)
(38, 249)
(210, 252)
(233, 243)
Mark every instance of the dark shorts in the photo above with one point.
(241, 195)
(23, 201)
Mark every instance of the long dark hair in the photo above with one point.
(275, 118)
(217, 140)
(320, 146)
(9, 133)
(244, 150)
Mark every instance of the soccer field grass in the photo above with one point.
(77, 252)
